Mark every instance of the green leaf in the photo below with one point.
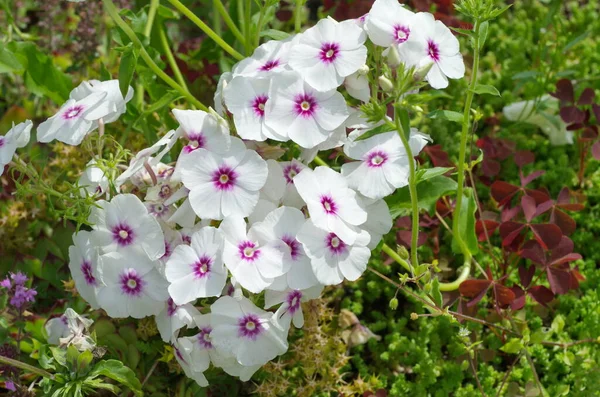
(446, 115)
(127, 68)
(104, 73)
(118, 372)
(8, 61)
(41, 76)
(377, 130)
(274, 34)
(466, 32)
(466, 223)
(483, 33)
(435, 292)
(83, 362)
(428, 173)
(513, 346)
(428, 192)
(486, 89)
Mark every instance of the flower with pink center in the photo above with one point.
(329, 52)
(83, 262)
(202, 130)
(332, 259)
(268, 59)
(281, 226)
(291, 198)
(197, 271)
(92, 181)
(131, 285)
(291, 300)
(299, 112)
(246, 99)
(125, 223)
(226, 184)
(383, 164)
(251, 259)
(192, 360)
(17, 137)
(433, 44)
(245, 332)
(74, 120)
(389, 23)
(379, 221)
(173, 317)
(332, 205)
(160, 210)
(114, 105)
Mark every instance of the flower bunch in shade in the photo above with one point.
(19, 295)
(194, 241)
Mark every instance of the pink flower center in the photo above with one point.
(72, 112)
(86, 269)
(204, 337)
(197, 140)
(258, 105)
(269, 65)
(293, 244)
(165, 191)
(329, 52)
(376, 159)
(293, 300)
(328, 204)
(249, 327)
(401, 33)
(202, 267)
(2, 139)
(248, 251)
(168, 250)
(305, 105)
(159, 210)
(290, 171)
(224, 178)
(123, 234)
(131, 283)
(335, 245)
(433, 50)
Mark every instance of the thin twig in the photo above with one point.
(26, 367)
(476, 377)
(150, 372)
(566, 345)
(506, 375)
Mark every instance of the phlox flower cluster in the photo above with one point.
(225, 222)
(19, 295)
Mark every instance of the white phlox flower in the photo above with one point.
(173, 317)
(131, 285)
(332, 259)
(332, 205)
(268, 59)
(281, 226)
(246, 99)
(191, 360)
(16, 138)
(271, 193)
(297, 111)
(114, 104)
(245, 332)
(218, 98)
(196, 270)
(329, 52)
(433, 43)
(357, 85)
(83, 264)
(125, 223)
(383, 164)
(379, 221)
(92, 181)
(74, 120)
(291, 198)
(202, 130)
(223, 185)
(252, 259)
(77, 334)
(389, 23)
(56, 328)
(291, 300)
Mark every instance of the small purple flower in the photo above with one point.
(6, 283)
(19, 278)
(22, 295)
(10, 385)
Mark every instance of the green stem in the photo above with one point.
(26, 367)
(229, 22)
(114, 14)
(412, 187)
(206, 29)
(394, 255)
(248, 26)
(139, 87)
(298, 16)
(170, 58)
(259, 26)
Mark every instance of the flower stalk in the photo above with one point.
(25, 367)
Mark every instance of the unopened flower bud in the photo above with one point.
(414, 316)
(394, 303)
(402, 252)
(385, 83)
(422, 72)
(363, 70)
(393, 57)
